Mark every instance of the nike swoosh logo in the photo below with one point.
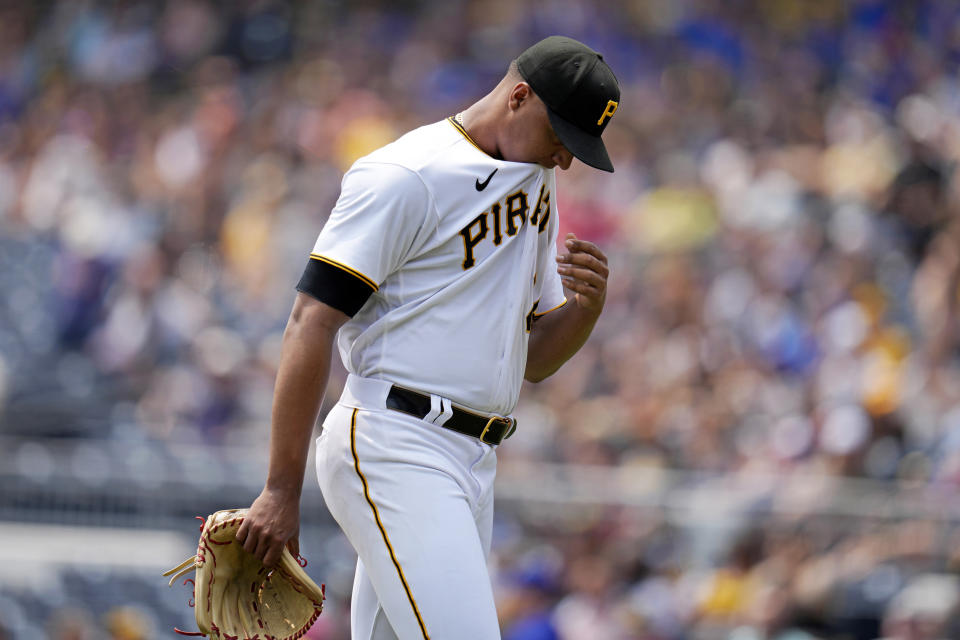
(483, 185)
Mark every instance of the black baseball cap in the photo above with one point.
(580, 91)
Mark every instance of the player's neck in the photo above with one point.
(481, 124)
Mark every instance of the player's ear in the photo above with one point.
(520, 94)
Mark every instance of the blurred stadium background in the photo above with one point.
(761, 441)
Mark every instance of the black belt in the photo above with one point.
(488, 430)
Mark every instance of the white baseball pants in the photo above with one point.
(416, 502)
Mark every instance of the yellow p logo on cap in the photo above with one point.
(608, 112)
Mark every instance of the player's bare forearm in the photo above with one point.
(558, 335)
(301, 380)
(555, 338)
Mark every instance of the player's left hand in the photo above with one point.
(583, 270)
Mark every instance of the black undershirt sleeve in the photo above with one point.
(334, 286)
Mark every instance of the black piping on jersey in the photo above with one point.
(383, 532)
(335, 284)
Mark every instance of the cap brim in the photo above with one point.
(585, 147)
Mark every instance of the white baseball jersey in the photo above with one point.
(458, 248)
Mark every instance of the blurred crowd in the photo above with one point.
(782, 232)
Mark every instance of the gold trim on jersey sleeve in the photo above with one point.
(383, 532)
(543, 313)
(340, 265)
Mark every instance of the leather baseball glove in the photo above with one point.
(235, 597)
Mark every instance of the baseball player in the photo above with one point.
(437, 274)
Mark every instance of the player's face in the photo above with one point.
(531, 137)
